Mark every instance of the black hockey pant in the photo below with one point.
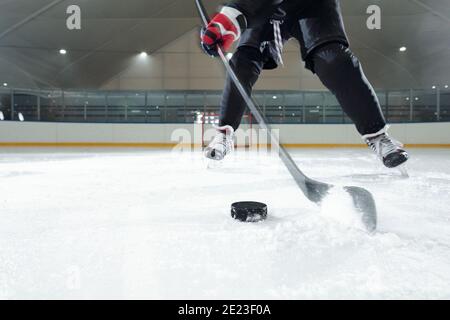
(338, 69)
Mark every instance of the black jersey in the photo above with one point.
(257, 11)
(255, 8)
(312, 22)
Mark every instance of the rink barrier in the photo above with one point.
(173, 145)
(38, 134)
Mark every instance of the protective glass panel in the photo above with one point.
(26, 105)
(424, 106)
(314, 107)
(399, 109)
(75, 107)
(52, 105)
(444, 114)
(5, 104)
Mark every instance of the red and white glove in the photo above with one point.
(223, 30)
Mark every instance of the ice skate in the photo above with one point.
(221, 145)
(388, 150)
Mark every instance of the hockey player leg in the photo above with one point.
(247, 63)
(341, 72)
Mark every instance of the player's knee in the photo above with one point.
(246, 61)
(335, 58)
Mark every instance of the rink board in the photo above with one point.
(43, 134)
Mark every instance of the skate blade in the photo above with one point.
(403, 171)
(213, 164)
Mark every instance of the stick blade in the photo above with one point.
(362, 200)
(365, 204)
(316, 191)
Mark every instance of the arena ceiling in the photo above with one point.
(33, 31)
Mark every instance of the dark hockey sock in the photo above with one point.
(247, 63)
(341, 72)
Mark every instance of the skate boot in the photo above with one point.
(222, 144)
(390, 151)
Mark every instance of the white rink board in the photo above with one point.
(38, 132)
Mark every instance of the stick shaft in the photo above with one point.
(296, 173)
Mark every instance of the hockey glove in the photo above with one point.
(223, 30)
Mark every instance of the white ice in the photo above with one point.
(156, 225)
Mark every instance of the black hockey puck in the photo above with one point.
(249, 211)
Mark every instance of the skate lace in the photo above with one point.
(225, 141)
(278, 40)
(384, 145)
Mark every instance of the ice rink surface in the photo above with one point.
(155, 224)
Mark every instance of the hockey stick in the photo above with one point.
(315, 191)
